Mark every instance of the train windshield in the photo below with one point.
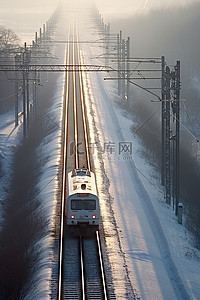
(77, 204)
(83, 204)
(89, 204)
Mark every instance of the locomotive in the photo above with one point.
(82, 209)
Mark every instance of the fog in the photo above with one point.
(112, 8)
(32, 12)
(107, 7)
(20, 4)
(24, 17)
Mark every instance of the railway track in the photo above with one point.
(84, 275)
(81, 274)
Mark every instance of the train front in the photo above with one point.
(82, 203)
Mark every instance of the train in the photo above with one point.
(82, 209)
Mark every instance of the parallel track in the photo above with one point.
(81, 274)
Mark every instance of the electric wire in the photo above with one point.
(184, 126)
(141, 126)
(53, 121)
(7, 97)
(187, 113)
(145, 89)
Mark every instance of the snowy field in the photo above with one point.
(10, 137)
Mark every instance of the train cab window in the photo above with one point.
(77, 204)
(89, 204)
(83, 204)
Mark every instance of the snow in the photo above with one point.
(10, 137)
(49, 152)
(47, 186)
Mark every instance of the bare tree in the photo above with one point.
(8, 39)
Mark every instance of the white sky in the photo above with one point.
(107, 7)
(130, 7)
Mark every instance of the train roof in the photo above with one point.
(81, 181)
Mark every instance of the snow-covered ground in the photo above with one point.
(49, 152)
(49, 155)
(10, 137)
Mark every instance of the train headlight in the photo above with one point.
(72, 217)
(93, 217)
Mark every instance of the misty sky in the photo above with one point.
(130, 7)
(107, 7)
(25, 17)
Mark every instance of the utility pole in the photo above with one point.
(40, 35)
(176, 113)
(108, 43)
(167, 139)
(118, 61)
(16, 90)
(123, 60)
(27, 88)
(178, 87)
(44, 31)
(35, 94)
(163, 97)
(107, 39)
(128, 68)
(123, 67)
(24, 95)
(171, 106)
(27, 98)
(173, 139)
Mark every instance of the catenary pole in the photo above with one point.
(177, 134)
(167, 139)
(163, 105)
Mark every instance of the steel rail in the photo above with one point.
(82, 97)
(75, 113)
(63, 182)
(82, 269)
(101, 266)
